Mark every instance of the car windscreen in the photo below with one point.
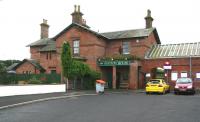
(184, 80)
(154, 81)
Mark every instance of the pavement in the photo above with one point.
(17, 100)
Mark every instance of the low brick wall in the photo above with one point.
(30, 89)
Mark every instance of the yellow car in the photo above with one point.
(157, 86)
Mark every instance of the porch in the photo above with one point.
(122, 74)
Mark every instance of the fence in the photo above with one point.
(30, 78)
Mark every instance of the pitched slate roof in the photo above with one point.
(49, 43)
(33, 62)
(78, 25)
(174, 50)
(136, 33)
(49, 47)
(11, 67)
(128, 33)
(41, 42)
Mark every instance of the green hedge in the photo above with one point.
(90, 80)
(30, 78)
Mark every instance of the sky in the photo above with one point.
(177, 21)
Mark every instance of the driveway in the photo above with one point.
(120, 107)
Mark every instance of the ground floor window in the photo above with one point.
(53, 71)
(174, 76)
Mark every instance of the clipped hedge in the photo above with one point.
(6, 79)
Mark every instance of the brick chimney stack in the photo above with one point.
(149, 19)
(44, 29)
(77, 15)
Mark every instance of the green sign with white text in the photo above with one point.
(114, 63)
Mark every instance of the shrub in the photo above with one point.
(34, 80)
(90, 79)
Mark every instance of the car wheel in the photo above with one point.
(147, 93)
(164, 91)
(193, 92)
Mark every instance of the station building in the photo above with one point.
(126, 58)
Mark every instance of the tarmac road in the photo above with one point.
(121, 107)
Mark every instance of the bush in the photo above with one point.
(90, 79)
(34, 80)
(6, 79)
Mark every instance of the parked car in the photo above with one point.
(184, 85)
(157, 86)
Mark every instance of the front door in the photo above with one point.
(109, 79)
(118, 80)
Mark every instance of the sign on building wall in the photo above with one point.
(174, 76)
(184, 74)
(197, 75)
(114, 63)
(167, 65)
(148, 75)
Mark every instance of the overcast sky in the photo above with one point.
(177, 21)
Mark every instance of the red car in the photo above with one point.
(184, 85)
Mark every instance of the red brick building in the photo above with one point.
(28, 66)
(125, 58)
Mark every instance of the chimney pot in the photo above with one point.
(149, 13)
(44, 21)
(77, 15)
(149, 19)
(75, 8)
(79, 8)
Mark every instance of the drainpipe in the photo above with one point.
(190, 66)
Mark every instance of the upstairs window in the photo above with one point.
(76, 45)
(125, 47)
(48, 55)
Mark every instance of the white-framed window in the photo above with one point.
(174, 76)
(198, 75)
(125, 47)
(76, 45)
(184, 74)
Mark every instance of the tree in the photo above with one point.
(2, 68)
(79, 70)
(5, 64)
(66, 61)
(73, 69)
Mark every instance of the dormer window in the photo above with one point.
(76, 45)
(125, 47)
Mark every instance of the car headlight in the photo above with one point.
(189, 87)
(176, 86)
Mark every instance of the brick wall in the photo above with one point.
(35, 54)
(91, 47)
(138, 46)
(27, 67)
(178, 65)
(48, 60)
